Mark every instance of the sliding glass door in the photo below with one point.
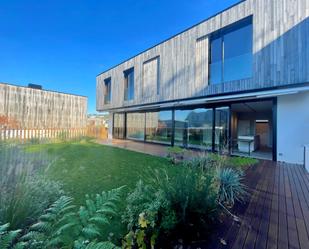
(159, 127)
(201, 128)
(221, 134)
(119, 125)
(193, 128)
(136, 126)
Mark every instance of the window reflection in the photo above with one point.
(159, 127)
(231, 53)
(118, 131)
(222, 129)
(193, 128)
(136, 126)
(129, 84)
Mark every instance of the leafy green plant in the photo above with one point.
(147, 214)
(63, 227)
(8, 237)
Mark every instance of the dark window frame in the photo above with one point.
(107, 90)
(126, 83)
(219, 34)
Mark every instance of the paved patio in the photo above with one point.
(147, 148)
(276, 215)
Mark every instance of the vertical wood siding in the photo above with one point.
(150, 78)
(280, 55)
(35, 109)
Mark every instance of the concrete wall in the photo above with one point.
(292, 127)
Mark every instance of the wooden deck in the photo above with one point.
(276, 215)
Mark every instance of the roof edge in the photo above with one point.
(46, 90)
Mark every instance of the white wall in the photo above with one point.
(292, 127)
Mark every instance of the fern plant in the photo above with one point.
(7, 238)
(63, 227)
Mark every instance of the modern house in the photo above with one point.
(237, 82)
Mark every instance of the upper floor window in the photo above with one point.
(151, 79)
(107, 90)
(129, 84)
(231, 53)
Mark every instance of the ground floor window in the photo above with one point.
(159, 127)
(136, 126)
(193, 128)
(239, 128)
(119, 125)
(222, 118)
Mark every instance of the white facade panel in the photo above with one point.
(292, 127)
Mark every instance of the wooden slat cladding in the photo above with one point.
(280, 55)
(151, 77)
(29, 108)
(201, 64)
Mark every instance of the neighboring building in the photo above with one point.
(238, 80)
(34, 108)
(94, 120)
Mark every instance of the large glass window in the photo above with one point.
(118, 131)
(193, 128)
(231, 53)
(136, 126)
(216, 61)
(129, 84)
(222, 129)
(107, 90)
(159, 127)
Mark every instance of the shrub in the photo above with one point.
(22, 203)
(147, 214)
(181, 206)
(171, 207)
(191, 194)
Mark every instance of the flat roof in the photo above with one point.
(208, 18)
(10, 84)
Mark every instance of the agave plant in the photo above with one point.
(231, 189)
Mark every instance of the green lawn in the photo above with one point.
(90, 168)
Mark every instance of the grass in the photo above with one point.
(89, 168)
(86, 167)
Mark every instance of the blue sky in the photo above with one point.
(63, 45)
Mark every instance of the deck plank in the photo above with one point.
(277, 215)
(261, 240)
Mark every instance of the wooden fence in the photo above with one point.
(98, 132)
